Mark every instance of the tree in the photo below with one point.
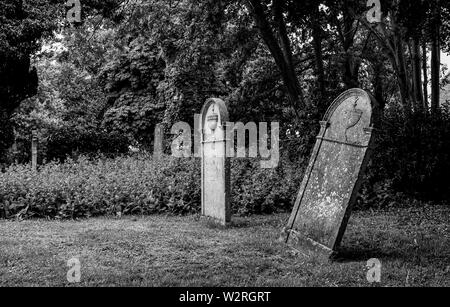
(274, 33)
(23, 24)
(435, 56)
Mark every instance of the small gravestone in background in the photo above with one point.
(333, 176)
(215, 164)
(15, 150)
(158, 146)
(34, 150)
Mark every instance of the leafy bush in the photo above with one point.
(412, 159)
(64, 141)
(88, 187)
(135, 185)
(6, 135)
(60, 142)
(258, 190)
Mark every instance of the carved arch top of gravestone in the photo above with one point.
(333, 176)
(350, 118)
(214, 107)
(215, 164)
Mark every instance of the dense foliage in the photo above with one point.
(22, 24)
(411, 159)
(135, 185)
(101, 86)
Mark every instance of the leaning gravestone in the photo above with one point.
(215, 164)
(333, 176)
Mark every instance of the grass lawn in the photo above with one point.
(413, 246)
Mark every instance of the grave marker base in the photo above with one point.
(309, 247)
(216, 221)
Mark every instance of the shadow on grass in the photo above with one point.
(356, 254)
(425, 252)
(275, 221)
(241, 222)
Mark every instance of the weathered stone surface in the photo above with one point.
(215, 164)
(158, 144)
(34, 149)
(333, 176)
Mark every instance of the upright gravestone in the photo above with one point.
(333, 176)
(158, 144)
(15, 150)
(215, 164)
(34, 149)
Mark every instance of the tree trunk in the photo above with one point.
(320, 70)
(279, 47)
(378, 83)
(351, 68)
(435, 60)
(317, 40)
(417, 75)
(425, 74)
(402, 73)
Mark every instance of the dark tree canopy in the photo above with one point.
(131, 64)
